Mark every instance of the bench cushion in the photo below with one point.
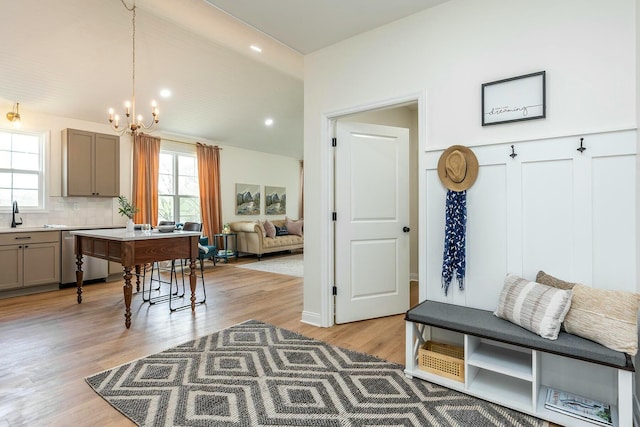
(484, 324)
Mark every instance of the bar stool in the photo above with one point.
(188, 226)
(155, 267)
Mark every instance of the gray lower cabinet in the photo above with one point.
(29, 259)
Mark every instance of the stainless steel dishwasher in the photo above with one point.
(94, 268)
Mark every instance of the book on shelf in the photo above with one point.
(579, 407)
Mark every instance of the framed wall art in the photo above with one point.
(275, 200)
(247, 199)
(514, 99)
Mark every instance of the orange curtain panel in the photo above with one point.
(146, 165)
(209, 181)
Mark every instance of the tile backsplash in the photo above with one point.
(71, 211)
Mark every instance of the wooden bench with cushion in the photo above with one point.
(483, 327)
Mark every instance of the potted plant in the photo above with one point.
(128, 210)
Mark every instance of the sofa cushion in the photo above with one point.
(536, 307)
(269, 228)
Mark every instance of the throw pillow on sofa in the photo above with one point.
(536, 307)
(269, 228)
(281, 231)
(294, 227)
(605, 316)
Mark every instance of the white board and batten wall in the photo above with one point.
(551, 207)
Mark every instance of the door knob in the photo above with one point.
(406, 229)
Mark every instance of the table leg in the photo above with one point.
(137, 277)
(79, 276)
(192, 283)
(127, 288)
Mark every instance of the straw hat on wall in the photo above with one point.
(458, 168)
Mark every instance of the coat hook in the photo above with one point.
(581, 148)
(513, 152)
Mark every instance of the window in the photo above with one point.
(178, 191)
(22, 169)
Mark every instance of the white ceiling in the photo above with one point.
(72, 58)
(309, 25)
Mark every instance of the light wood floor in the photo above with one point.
(49, 343)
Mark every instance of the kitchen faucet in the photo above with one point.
(14, 211)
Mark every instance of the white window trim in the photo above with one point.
(175, 152)
(43, 192)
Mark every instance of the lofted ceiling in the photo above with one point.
(73, 58)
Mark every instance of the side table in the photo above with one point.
(225, 253)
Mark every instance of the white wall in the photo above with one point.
(637, 358)
(250, 167)
(588, 49)
(237, 165)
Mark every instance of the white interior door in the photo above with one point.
(372, 220)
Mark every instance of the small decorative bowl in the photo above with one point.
(165, 228)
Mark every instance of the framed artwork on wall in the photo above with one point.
(247, 199)
(275, 200)
(514, 99)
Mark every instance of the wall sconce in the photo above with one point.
(14, 115)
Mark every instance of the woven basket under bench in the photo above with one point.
(442, 359)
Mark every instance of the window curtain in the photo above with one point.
(146, 165)
(209, 182)
(301, 191)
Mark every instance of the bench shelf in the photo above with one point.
(518, 377)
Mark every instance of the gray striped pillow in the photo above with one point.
(536, 307)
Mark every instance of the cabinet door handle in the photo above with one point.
(22, 238)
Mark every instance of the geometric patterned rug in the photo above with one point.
(255, 374)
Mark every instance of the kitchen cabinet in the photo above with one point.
(29, 259)
(90, 164)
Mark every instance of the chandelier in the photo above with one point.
(135, 123)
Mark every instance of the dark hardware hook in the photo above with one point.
(581, 148)
(513, 152)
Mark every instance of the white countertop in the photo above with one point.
(122, 234)
(21, 229)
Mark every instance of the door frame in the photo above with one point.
(327, 252)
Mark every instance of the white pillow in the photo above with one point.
(536, 307)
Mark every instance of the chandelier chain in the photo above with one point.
(134, 124)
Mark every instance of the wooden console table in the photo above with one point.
(133, 249)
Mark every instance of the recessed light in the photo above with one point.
(165, 93)
(268, 122)
(256, 48)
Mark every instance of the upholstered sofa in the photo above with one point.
(252, 238)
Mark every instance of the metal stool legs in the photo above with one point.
(183, 265)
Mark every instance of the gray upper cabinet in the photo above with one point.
(90, 164)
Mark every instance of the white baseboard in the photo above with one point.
(310, 318)
(413, 277)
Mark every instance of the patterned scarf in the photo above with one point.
(453, 259)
